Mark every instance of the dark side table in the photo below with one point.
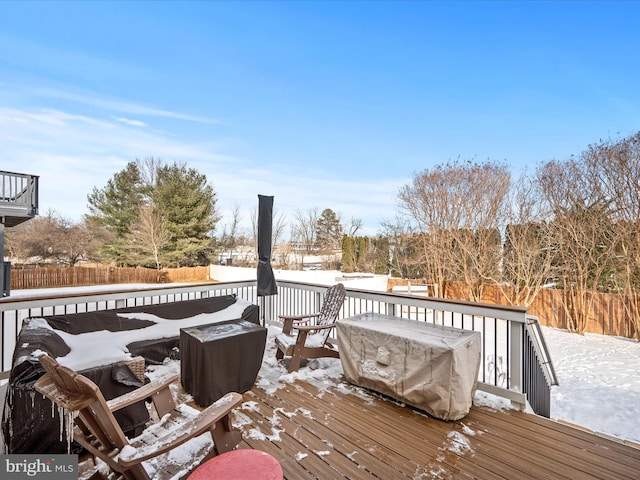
(219, 358)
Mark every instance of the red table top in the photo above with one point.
(238, 465)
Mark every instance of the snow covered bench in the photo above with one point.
(101, 345)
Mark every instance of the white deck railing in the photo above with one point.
(514, 357)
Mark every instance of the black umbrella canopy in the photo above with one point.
(266, 280)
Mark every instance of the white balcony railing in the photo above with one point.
(515, 362)
(18, 197)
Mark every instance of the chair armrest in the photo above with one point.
(71, 401)
(294, 321)
(297, 317)
(141, 393)
(190, 428)
(310, 328)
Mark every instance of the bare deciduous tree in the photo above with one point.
(353, 227)
(50, 237)
(615, 167)
(527, 255)
(304, 231)
(231, 232)
(403, 258)
(149, 235)
(459, 208)
(582, 232)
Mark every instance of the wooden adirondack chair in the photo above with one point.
(97, 430)
(300, 339)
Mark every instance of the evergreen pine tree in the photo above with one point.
(188, 204)
(181, 198)
(114, 209)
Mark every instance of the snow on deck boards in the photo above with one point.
(347, 432)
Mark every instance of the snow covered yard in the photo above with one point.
(599, 380)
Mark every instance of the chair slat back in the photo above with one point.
(331, 305)
(76, 393)
(66, 379)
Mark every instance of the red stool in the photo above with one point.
(238, 465)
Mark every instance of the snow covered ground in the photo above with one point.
(599, 380)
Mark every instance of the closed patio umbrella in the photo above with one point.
(266, 284)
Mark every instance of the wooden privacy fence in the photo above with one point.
(187, 274)
(50, 277)
(609, 312)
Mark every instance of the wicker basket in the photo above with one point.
(137, 366)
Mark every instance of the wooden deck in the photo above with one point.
(345, 432)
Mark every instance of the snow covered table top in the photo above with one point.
(431, 367)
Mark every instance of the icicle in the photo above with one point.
(67, 420)
(7, 413)
(10, 417)
(70, 421)
(61, 419)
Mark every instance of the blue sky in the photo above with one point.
(321, 104)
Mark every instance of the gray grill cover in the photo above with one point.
(431, 367)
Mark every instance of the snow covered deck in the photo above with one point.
(319, 426)
(340, 431)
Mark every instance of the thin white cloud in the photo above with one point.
(79, 65)
(133, 123)
(115, 104)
